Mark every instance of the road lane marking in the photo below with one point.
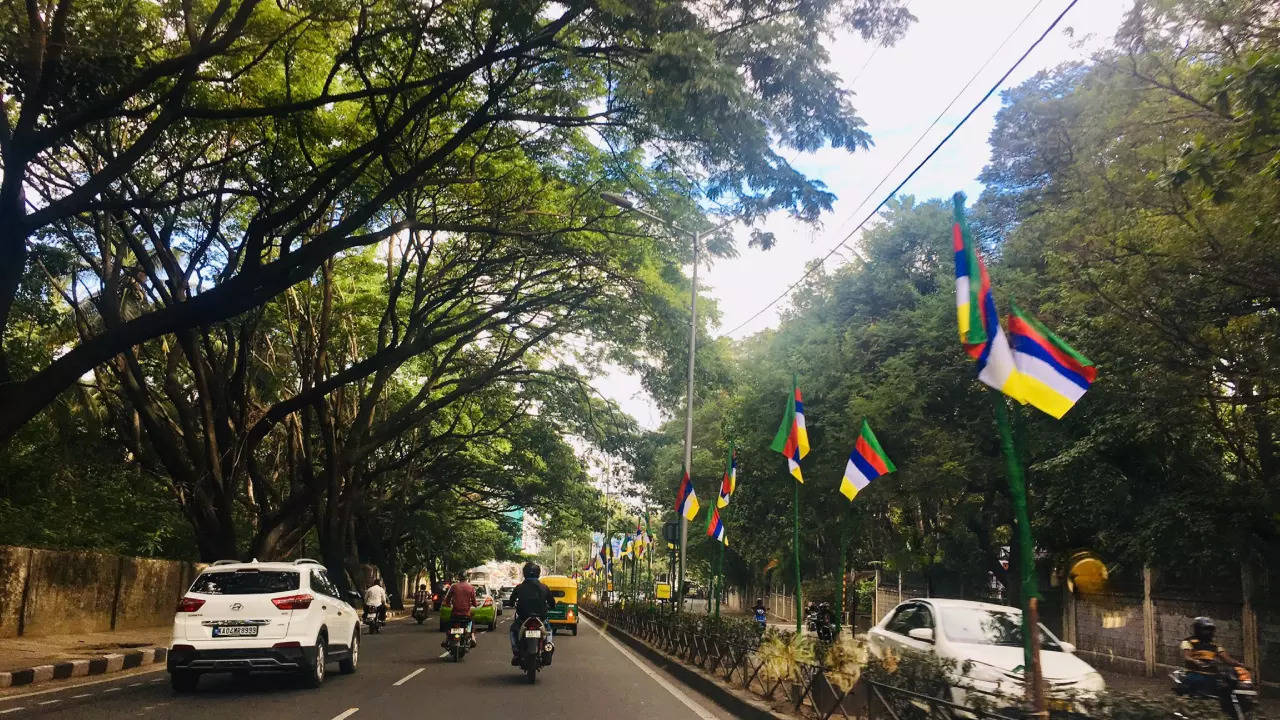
(81, 695)
(48, 702)
(346, 714)
(5, 712)
(675, 691)
(407, 678)
(137, 684)
(112, 690)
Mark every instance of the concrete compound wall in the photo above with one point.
(49, 592)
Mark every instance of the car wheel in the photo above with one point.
(349, 664)
(184, 680)
(313, 677)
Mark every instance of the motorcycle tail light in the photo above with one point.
(487, 602)
(293, 602)
(189, 604)
(532, 624)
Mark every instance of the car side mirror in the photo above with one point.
(1066, 646)
(353, 596)
(925, 634)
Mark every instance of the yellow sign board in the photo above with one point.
(610, 586)
(662, 591)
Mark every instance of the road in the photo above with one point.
(400, 675)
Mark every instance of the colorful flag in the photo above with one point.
(979, 323)
(792, 439)
(715, 527)
(866, 463)
(1053, 376)
(687, 499)
(729, 482)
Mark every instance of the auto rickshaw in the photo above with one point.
(565, 614)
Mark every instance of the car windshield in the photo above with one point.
(981, 626)
(245, 582)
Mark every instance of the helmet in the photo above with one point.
(422, 586)
(531, 570)
(1203, 627)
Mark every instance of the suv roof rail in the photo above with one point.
(307, 561)
(226, 562)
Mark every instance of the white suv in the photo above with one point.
(268, 616)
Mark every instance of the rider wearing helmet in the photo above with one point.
(531, 598)
(1201, 655)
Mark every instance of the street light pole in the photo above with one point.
(696, 237)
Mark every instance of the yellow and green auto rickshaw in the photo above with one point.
(565, 614)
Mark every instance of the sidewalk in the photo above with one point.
(24, 661)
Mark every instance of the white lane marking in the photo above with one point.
(407, 678)
(444, 654)
(346, 714)
(112, 690)
(5, 712)
(48, 702)
(137, 684)
(675, 691)
(81, 695)
(157, 680)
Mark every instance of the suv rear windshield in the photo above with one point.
(245, 582)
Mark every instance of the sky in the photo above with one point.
(898, 91)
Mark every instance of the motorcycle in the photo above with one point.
(459, 639)
(1234, 690)
(536, 647)
(371, 620)
(419, 612)
(762, 619)
(824, 624)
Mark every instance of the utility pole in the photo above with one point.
(697, 237)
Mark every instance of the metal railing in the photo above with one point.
(805, 687)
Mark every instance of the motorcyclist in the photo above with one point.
(422, 597)
(531, 599)
(375, 596)
(761, 613)
(1201, 656)
(461, 598)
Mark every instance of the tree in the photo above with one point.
(262, 141)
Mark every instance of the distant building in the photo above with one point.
(530, 539)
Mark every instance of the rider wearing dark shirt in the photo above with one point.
(531, 599)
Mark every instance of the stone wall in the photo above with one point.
(51, 592)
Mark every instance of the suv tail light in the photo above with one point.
(189, 604)
(293, 602)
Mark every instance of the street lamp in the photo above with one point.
(696, 237)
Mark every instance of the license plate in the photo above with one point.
(533, 633)
(455, 631)
(235, 631)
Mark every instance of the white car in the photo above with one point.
(985, 643)
(262, 617)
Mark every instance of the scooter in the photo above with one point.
(371, 620)
(419, 612)
(536, 647)
(762, 620)
(823, 624)
(1234, 691)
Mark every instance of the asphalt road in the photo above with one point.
(400, 675)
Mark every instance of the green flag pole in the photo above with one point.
(795, 543)
(1026, 559)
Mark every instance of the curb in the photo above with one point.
(729, 698)
(83, 667)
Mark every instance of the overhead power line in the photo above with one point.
(921, 164)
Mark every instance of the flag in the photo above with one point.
(715, 527)
(979, 323)
(729, 482)
(792, 439)
(866, 463)
(642, 542)
(1052, 375)
(626, 547)
(687, 499)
